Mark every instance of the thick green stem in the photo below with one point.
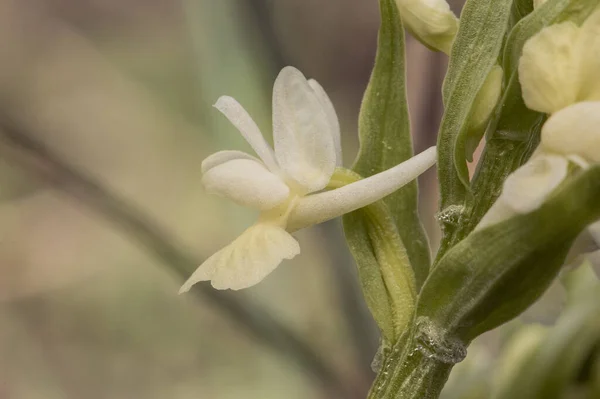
(410, 374)
(418, 366)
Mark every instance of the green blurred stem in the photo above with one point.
(21, 147)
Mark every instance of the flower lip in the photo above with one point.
(247, 260)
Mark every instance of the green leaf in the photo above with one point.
(475, 52)
(385, 274)
(496, 273)
(520, 9)
(385, 139)
(560, 356)
(369, 274)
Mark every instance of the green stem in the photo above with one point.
(415, 368)
(501, 157)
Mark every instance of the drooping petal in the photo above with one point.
(332, 118)
(221, 157)
(238, 116)
(574, 130)
(549, 68)
(247, 260)
(430, 21)
(527, 188)
(318, 208)
(247, 183)
(304, 147)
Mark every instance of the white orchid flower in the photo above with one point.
(284, 182)
(430, 21)
(559, 73)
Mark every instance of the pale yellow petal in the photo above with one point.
(589, 46)
(248, 260)
(320, 207)
(221, 157)
(574, 130)
(527, 188)
(304, 145)
(334, 123)
(497, 213)
(549, 69)
(238, 116)
(246, 182)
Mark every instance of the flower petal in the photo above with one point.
(238, 116)
(334, 123)
(246, 261)
(304, 146)
(590, 54)
(221, 157)
(247, 183)
(574, 131)
(318, 208)
(497, 213)
(527, 188)
(549, 68)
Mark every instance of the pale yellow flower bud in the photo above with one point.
(430, 21)
(483, 106)
(549, 66)
(561, 65)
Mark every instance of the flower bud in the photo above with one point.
(430, 21)
(483, 106)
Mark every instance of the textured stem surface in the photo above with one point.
(411, 370)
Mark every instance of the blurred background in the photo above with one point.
(105, 114)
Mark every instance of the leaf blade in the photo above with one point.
(385, 139)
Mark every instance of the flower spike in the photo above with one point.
(558, 72)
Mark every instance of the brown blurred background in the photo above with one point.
(105, 114)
